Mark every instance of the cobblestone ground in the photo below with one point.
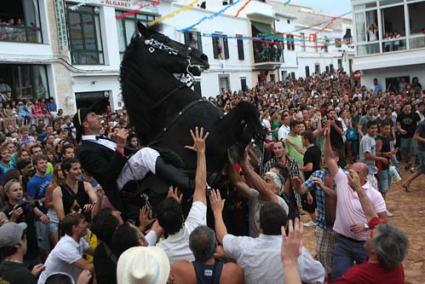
(409, 215)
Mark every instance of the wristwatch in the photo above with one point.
(366, 227)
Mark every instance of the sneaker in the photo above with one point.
(389, 214)
(310, 224)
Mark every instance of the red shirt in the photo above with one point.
(372, 273)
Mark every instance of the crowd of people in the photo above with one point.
(331, 152)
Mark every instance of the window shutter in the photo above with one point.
(199, 35)
(226, 47)
(241, 54)
(186, 38)
(215, 45)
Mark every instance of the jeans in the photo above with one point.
(384, 180)
(346, 251)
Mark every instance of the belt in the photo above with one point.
(350, 239)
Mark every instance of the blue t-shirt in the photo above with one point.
(37, 186)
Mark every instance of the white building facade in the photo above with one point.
(390, 41)
(71, 50)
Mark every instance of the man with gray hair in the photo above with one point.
(258, 191)
(205, 268)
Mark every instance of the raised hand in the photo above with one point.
(198, 140)
(292, 243)
(217, 204)
(121, 137)
(174, 193)
(354, 180)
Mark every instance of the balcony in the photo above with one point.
(267, 55)
(259, 10)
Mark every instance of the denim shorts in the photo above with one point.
(384, 180)
(53, 227)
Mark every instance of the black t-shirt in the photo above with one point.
(312, 155)
(15, 273)
(105, 265)
(408, 122)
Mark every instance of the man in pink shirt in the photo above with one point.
(350, 223)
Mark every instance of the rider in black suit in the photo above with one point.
(107, 162)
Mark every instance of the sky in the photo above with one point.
(332, 7)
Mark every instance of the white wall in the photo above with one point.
(382, 74)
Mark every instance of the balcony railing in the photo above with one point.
(20, 33)
(393, 44)
(417, 41)
(367, 49)
(264, 52)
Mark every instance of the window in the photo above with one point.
(85, 40)
(265, 51)
(340, 64)
(290, 42)
(127, 26)
(327, 69)
(416, 18)
(366, 26)
(303, 41)
(317, 68)
(24, 81)
(307, 71)
(244, 87)
(393, 83)
(193, 39)
(220, 46)
(223, 82)
(293, 75)
(350, 65)
(20, 21)
(241, 54)
(326, 44)
(331, 68)
(393, 21)
(272, 77)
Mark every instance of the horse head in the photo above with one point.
(172, 55)
(148, 71)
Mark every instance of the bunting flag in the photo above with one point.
(172, 14)
(136, 11)
(210, 17)
(243, 7)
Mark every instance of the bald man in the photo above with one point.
(350, 224)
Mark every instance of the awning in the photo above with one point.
(262, 28)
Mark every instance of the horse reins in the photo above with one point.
(158, 103)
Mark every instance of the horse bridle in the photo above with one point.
(155, 44)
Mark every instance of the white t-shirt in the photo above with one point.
(254, 205)
(65, 253)
(261, 261)
(176, 246)
(283, 132)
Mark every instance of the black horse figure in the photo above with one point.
(163, 110)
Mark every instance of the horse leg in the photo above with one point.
(233, 132)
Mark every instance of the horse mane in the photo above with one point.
(134, 96)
